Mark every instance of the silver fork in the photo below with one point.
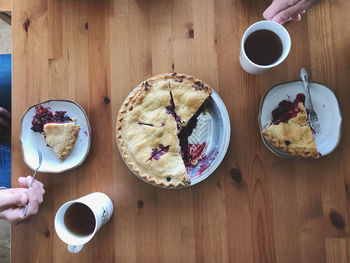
(31, 183)
(313, 119)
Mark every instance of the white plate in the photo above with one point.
(213, 127)
(325, 105)
(31, 140)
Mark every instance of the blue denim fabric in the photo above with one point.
(5, 165)
(5, 102)
(5, 81)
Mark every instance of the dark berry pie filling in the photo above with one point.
(44, 115)
(287, 109)
(195, 153)
(190, 155)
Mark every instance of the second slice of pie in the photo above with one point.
(290, 131)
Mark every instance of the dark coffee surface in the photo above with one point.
(263, 47)
(79, 219)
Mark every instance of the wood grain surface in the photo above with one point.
(5, 5)
(256, 207)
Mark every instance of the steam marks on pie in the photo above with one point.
(154, 124)
(59, 130)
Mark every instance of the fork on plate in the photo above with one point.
(313, 119)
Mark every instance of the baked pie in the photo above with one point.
(154, 123)
(289, 129)
(60, 131)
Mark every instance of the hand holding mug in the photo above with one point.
(282, 11)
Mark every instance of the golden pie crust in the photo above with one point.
(61, 137)
(294, 137)
(146, 125)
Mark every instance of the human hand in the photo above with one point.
(13, 200)
(282, 11)
(5, 117)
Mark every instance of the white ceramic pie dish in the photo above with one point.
(31, 140)
(213, 127)
(325, 105)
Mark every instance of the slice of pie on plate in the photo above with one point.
(149, 124)
(60, 131)
(290, 131)
(61, 137)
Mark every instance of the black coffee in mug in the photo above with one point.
(263, 47)
(79, 219)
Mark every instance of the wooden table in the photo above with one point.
(256, 207)
(5, 5)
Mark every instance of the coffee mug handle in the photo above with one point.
(75, 249)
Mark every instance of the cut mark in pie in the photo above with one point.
(289, 129)
(153, 135)
(171, 109)
(60, 131)
(147, 124)
(159, 151)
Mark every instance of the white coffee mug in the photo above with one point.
(102, 208)
(279, 30)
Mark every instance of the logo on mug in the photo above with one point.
(104, 215)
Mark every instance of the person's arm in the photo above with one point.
(282, 11)
(13, 200)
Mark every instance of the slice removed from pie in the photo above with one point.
(290, 131)
(150, 121)
(61, 137)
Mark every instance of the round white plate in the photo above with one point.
(31, 140)
(325, 105)
(213, 127)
